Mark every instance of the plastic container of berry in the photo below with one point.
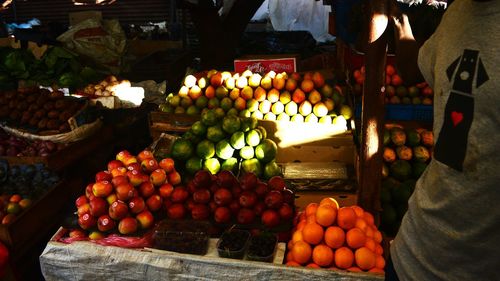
(233, 243)
(262, 247)
(182, 236)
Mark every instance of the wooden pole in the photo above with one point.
(372, 118)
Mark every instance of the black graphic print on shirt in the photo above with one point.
(466, 74)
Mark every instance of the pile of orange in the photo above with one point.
(327, 236)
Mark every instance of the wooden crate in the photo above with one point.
(36, 221)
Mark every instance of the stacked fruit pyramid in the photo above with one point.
(126, 198)
(327, 236)
(407, 153)
(396, 92)
(219, 142)
(282, 96)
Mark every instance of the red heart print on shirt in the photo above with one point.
(456, 117)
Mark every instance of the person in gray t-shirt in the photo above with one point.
(452, 228)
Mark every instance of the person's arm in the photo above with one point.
(406, 48)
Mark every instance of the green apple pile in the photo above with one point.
(226, 142)
(406, 154)
(282, 97)
(396, 92)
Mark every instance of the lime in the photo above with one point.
(182, 149)
(220, 113)
(247, 152)
(175, 101)
(212, 165)
(193, 165)
(209, 118)
(257, 115)
(213, 103)
(238, 140)
(270, 116)
(191, 137)
(224, 150)
(248, 124)
(205, 149)
(230, 164)
(262, 131)
(346, 111)
(215, 133)
(232, 112)
(226, 103)
(253, 137)
(252, 166)
(199, 129)
(272, 169)
(201, 102)
(245, 113)
(266, 151)
(231, 124)
(179, 110)
(193, 110)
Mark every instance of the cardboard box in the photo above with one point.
(77, 17)
(266, 63)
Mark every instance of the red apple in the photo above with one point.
(286, 212)
(247, 199)
(288, 196)
(259, 208)
(223, 197)
(103, 176)
(214, 187)
(234, 206)
(149, 165)
(113, 164)
(154, 202)
(136, 205)
(129, 160)
(118, 210)
(189, 204)
(98, 206)
(203, 179)
(176, 211)
(276, 183)
(84, 209)
(236, 190)
(134, 167)
(179, 195)
(122, 155)
(145, 219)
(77, 233)
(166, 203)
(191, 187)
(120, 171)
(136, 177)
(105, 223)
(174, 178)
(145, 154)
(88, 191)
(118, 180)
(273, 199)
(124, 191)
(225, 179)
(111, 198)
(146, 189)
(102, 188)
(167, 164)
(201, 196)
(81, 201)
(248, 181)
(200, 212)
(127, 225)
(158, 177)
(222, 215)
(166, 190)
(86, 221)
(261, 189)
(270, 218)
(245, 216)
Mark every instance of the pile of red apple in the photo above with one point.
(228, 200)
(396, 92)
(128, 195)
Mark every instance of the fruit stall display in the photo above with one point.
(346, 238)
(226, 142)
(406, 154)
(13, 146)
(273, 96)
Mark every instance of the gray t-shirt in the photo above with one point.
(452, 228)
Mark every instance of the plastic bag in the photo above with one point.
(103, 41)
(145, 241)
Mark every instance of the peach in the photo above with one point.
(266, 82)
(307, 85)
(234, 94)
(279, 82)
(273, 95)
(298, 96)
(240, 103)
(314, 97)
(216, 80)
(246, 93)
(210, 92)
(318, 79)
(291, 85)
(259, 94)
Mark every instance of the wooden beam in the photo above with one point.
(372, 118)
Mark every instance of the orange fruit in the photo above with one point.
(369, 232)
(333, 268)
(311, 219)
(289, 245)
(301, 225)
(313, 233)
(302, 216)
(361, 224)
(369, 218)
(329, 201)
(354, 269)
(311, 209)
(346, 218)
(292, 263)
(297, 236)
(322, 255)
(371, 244)
(379, 250)
(313, 265)
(390, 70)
(358, 210)
(355, 238)
(289, 256)
(377, 270)
(334, 237)
(379, 262)
(377, 236)
(301, 252)
(343, 258)
(365, 259)
(326, 214)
